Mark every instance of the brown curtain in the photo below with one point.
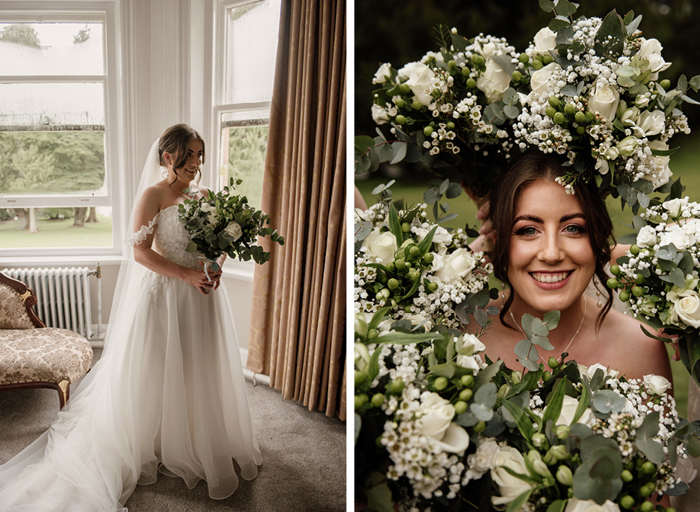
(297, 333)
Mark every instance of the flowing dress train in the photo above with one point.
(168, 395)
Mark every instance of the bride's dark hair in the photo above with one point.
(532, 166)
(176, 141)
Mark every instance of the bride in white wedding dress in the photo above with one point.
(168, 394)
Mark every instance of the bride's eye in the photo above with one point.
(526, 231)
(575, 229)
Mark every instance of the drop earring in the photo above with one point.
(599, 303)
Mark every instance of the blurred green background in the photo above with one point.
(401, 32)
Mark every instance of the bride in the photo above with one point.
(168, 394)
(548, 245)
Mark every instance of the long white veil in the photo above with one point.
(131, 273)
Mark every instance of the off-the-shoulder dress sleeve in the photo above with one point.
(138, 237)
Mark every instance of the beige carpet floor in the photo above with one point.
(304, 457)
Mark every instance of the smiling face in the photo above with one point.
(188, 170)
(194, 158)
(550, 259)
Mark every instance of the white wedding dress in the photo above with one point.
(168, 395)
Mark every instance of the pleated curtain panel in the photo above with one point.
(297, 333)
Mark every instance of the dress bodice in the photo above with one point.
(171, 238)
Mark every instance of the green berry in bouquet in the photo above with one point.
(224, 223)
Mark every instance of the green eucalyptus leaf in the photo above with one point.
(558, 23)
(486, 395)
(546, 5)
(481, 411)
(610, 47)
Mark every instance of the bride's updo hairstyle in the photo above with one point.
(176, 141)
(530, 167)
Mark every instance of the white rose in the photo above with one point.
(604, 100)
(540, 79)
(494, 81)
(590, 371)
(651, 123)
(441, 235)
(568, 411)
(509, 487)
(662, 173)
(673, 207)
(457, 265)
(212, 218)
(206, 207)
(656, 384)
(651, 50)
(545, 40)
(417, 319)
(419, 79)
(677, 237)
(686, 304)
(382, 73)
(379, 114)
(576, 505)
(628, 145)
(646, 237)
(435, 414)
(381, 245)
(234, 229)
(471, 346)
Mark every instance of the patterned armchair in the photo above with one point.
(31, 354)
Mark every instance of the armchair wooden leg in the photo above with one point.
(63, 392)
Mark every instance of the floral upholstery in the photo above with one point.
(13, 314)
(43, 355)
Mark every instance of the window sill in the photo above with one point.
(53, 261)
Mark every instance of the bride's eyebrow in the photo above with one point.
(531, 218)
(573, 216)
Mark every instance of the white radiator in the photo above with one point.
(63, 296)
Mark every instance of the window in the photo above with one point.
(57, 141)
(247, 34)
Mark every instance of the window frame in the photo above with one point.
(105, 12)
(242, 269)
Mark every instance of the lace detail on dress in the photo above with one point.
(171, 239)
(138, 237)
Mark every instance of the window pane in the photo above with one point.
(55, 227)
(40, 106)
(243, 156)
(251, 48)
(51, 49)
(50, 163)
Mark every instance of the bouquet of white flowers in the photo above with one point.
(596, 96)
(585, 438)
(410, 389)
(457, 104)
(225, 223)
(659, 275)
(422, 272)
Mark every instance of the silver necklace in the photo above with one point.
(572, 339)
